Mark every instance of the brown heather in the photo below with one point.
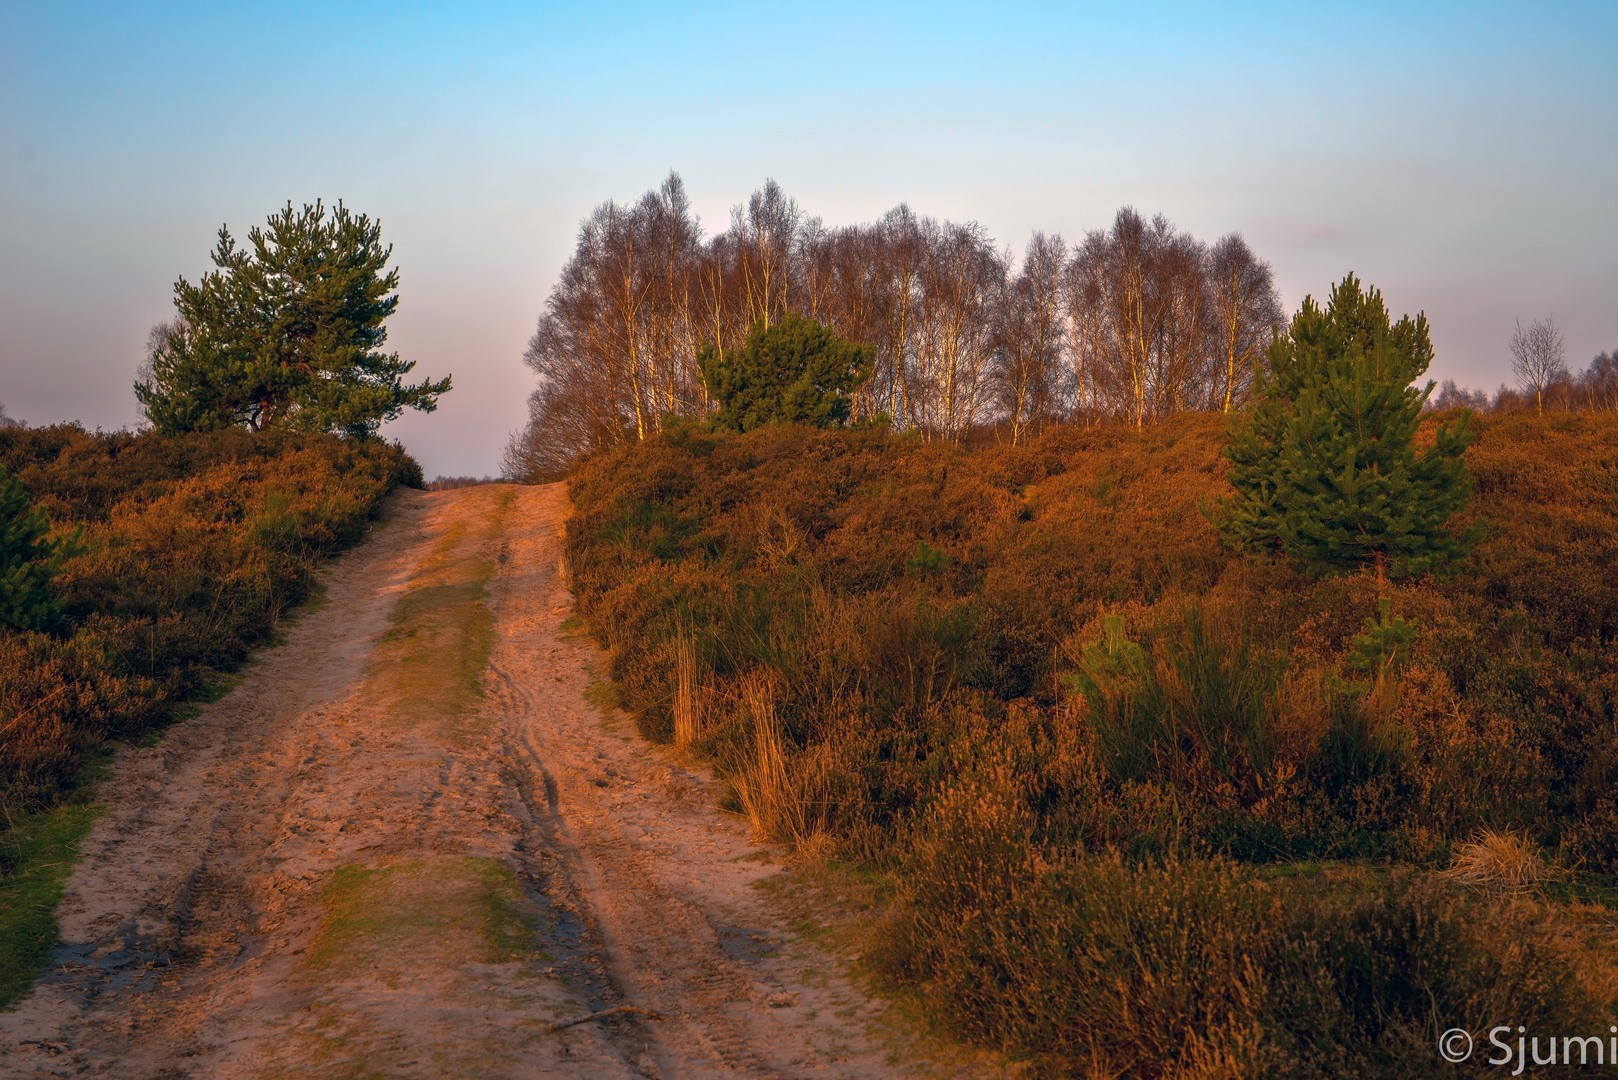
(195, 546)
(1227, 860)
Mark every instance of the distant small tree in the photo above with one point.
(1600, 381)
(793, 372)
(7, 421)
(29, 558)
(1538, 358)
(285, 335)
(1454, 396)
(1322, 463)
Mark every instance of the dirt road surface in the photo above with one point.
(407, 845)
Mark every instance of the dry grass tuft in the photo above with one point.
(688, 704)
(1498, 860)
(779, 798)
(764, 786)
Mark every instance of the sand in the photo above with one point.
(407, 844)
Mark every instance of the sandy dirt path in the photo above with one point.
(407, 844)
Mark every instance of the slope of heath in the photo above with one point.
(408, 845)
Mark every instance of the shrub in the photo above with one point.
(795, 372)
(1323, 464)
(1031, 682)
(28, 560)
(192, 548)
(1195, 967)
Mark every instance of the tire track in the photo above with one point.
(336, 871)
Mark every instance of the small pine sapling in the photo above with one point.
(1323, 463)
(794, 372)
(1106, 665)
(29, 558)
(1385, 646)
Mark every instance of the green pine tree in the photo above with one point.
(286, 335)
(1323, 463)
(1385, 645)
(795, 372)
(29, 558)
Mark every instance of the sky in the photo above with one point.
(1461, 157)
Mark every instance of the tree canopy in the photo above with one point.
(1323, 463)
(1140, 319)
(286, 333)
(794, 372)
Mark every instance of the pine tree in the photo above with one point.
(28, 560)
(794, 372)
(1323, 465)
(286, 335)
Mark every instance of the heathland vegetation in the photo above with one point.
(1274, 743)
(1146, 805)
(1191, 691)
(157, 564)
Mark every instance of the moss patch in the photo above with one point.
(604, 696)
(392, 918)
(430, 664)
(423, 929)
(37, 852)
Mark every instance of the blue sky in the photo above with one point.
(1464, 158)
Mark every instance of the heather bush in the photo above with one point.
(874, 575)
(192, 547)
(1030, 684)
(1197, 967)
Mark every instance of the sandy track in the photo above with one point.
(317, 876)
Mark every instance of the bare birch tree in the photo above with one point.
(1246, 312)
(1538, 358)
(1137, 322)
(1180, 370)
(1114, 285)
(844, 289)
(671, 244)
(766, 232)
(1030, 336)
(949, 383)
(901, 248)
(1600, 381)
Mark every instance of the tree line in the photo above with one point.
(1539, 363)
(1136, 321)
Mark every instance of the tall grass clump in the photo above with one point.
(1194, 967)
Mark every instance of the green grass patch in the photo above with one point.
(393, 918)
(218, 686)
(432, 659)
(1600, 891)
(316, 599)
(603, 695)
(37, 852)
